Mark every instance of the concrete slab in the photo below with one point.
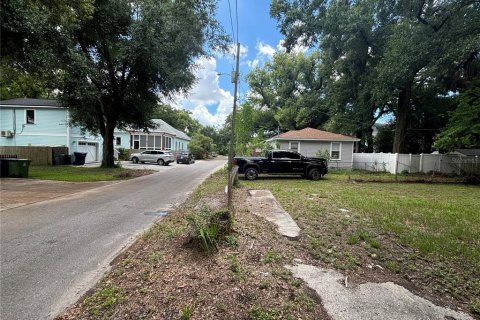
(369, 301)
(262, 203)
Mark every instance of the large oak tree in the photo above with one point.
(113, 60)
(384, 55)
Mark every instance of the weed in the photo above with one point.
(126, 262)
(264, 284)
(208, 227)
(162, 231)
(234, 265)
(352, 239)
(316, 243)
(231, 241)
(393, 266)
(187, 312)
(475, 306)
(296, 283)
(272, 256)
(102, 301)
(282, 273)
(302, 299)
(351, 260)
(146, 276)
(156, 257)
(259, 313)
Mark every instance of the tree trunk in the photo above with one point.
(108, 160)
(401, 120)
(369, 139)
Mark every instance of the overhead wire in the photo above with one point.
(236, 15)
(231, 24)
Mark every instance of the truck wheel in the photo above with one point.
(160, 162)
(314, 174)
(251, 174)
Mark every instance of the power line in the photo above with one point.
(231, 20)
(236, 15)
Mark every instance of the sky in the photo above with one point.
(211, 99)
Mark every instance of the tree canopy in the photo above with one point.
(386, 56)
(291, 86)
(113, 61)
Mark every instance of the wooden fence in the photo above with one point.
(38, 155)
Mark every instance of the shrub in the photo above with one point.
(208, 227)
(123, 154)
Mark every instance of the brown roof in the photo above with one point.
(313, 134)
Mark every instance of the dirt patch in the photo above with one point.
(20, 192)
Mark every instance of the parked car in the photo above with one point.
(161, 157)
(185, 157)
(282, 162)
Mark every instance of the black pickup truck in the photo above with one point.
(282, 162)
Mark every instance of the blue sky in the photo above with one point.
(211, 99)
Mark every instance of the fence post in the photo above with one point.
(440, 163)
(410, 164)
(420, 165)
(396, 164)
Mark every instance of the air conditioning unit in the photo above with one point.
(7, 134)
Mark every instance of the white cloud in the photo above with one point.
(264, 49)
(232, 51)
(298, 48)
(205, 93)
(264, 52)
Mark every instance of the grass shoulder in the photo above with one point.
(83, 174)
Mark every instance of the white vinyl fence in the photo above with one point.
(412, 163)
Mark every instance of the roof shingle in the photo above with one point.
(30, 102)
(313, 134)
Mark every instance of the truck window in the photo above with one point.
(292, 155)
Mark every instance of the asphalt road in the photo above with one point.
(52, 252)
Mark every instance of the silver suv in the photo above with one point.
(161, 157)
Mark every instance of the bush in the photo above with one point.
(208, 227)
(123, 154)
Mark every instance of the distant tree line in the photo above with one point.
(416, 63)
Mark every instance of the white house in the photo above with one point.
(42, 122)
(309, 141)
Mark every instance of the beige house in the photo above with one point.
(309, 141)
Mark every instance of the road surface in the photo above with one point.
(53, 251)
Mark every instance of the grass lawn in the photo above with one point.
(426, 232)
(83, 174)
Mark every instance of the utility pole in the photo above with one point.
(232, 135)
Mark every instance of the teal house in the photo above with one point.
(41, 122)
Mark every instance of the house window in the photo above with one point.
(118, 141)
(158, 142)
(167, 145)
(30, 116)
(335, 151)
(294, 145)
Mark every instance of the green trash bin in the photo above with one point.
(18, 168)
